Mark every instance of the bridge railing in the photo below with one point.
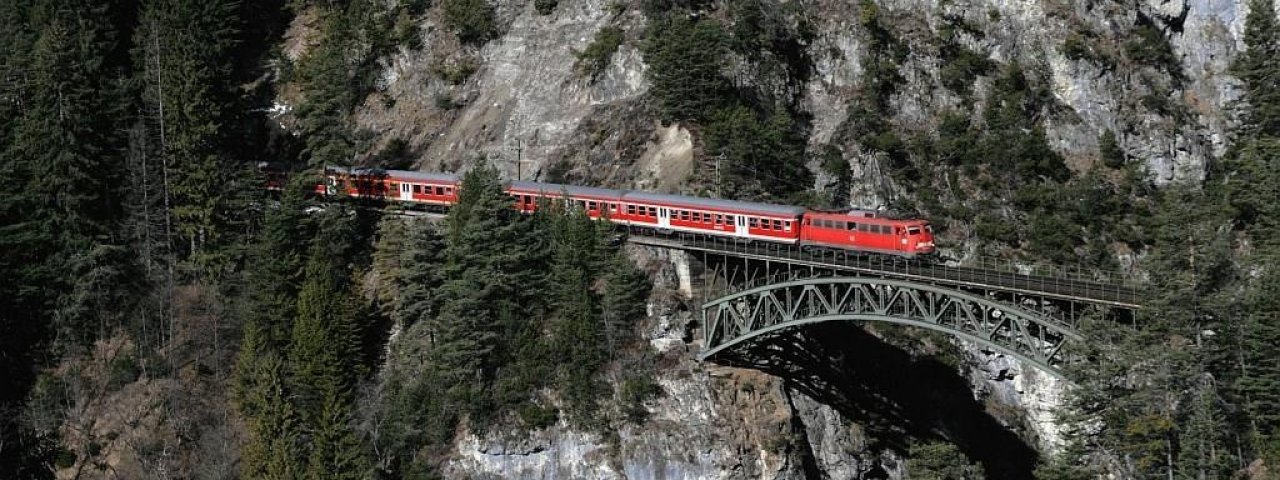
(1050, 280)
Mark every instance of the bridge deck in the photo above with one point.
(1075, 288)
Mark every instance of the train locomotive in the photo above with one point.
(664, 213)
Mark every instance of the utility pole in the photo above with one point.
(718, 157)
(519, 160)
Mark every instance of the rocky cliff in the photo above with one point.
(1155, 73)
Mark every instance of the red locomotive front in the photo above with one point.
(867, 231)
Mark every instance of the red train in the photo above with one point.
(856, 230)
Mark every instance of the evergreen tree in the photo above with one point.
(1110, 151)
(625, 297)
(337, 453)
(324, 349)
(184, 50)
(685, 56)
(763, 158)
(480, 292)
(472, 20)
(941, 461)
(274, 272)
(1207, 449)
(577, 338)
(272, 451)
(1259, 382)
(419, 277)
(1257, 68)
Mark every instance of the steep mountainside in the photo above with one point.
(164, 316)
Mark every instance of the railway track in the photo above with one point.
(1064, 286)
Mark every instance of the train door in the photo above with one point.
(406, 191)
(740, 225)
(664, 218)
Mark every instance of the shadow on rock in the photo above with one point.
(898, 398)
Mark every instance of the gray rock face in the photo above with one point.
(715, 422)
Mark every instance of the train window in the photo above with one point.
(728, 219)
(862, 227)
(684, 215)
(631, 209)
(753, 222)
(719, 219)
(786, 226)
(777, 224)
(852, 226)
(913, 231)
(591, 205)
(653, 211)
(417, 188)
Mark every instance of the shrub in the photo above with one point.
(1109, 150)
(455, 73)
(406, 31)
(592, 61)
(1148, 46)
(634, 392)
(537, 417)
(961, 67)
(472, 20)
(444, 101)
(124, 370)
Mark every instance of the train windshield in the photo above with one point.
(913, 231)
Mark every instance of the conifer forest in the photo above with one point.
(165, 315)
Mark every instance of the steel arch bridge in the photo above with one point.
(1035, 338)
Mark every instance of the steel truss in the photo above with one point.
(1033, 337)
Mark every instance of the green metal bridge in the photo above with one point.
(759, 290)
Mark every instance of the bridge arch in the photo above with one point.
(1035, 338)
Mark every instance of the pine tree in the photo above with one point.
(685, 57)
(330, 92)
(1110, 151)
(941, 461)
(324, 349)
(422, 260)
(1257, 68)
(337, 453)
(62, 160)
(577, 331)
(1207, 450)
(275, 270)
(272, 452)
(625, 298)
(479, 290)
(184, 48)
(1259, 382)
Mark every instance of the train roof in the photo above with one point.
(400, 174)
(424, 176)
(715, 203)
(574, 190)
